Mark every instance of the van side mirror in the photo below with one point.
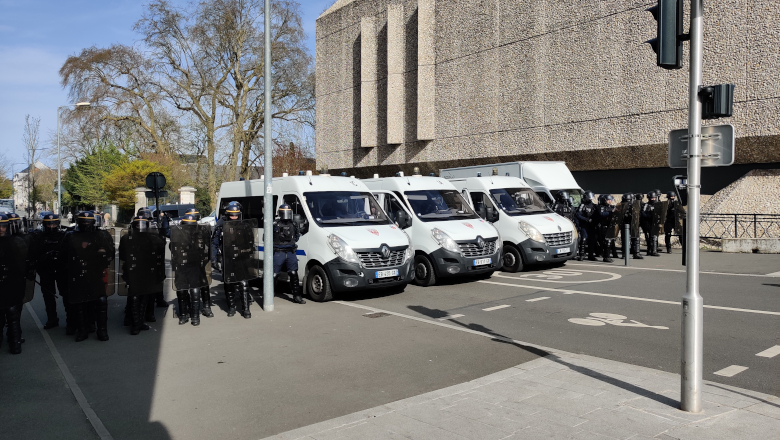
(404, 221)
(491, 214)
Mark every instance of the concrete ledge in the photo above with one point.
(752, 245)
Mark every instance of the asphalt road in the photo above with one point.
(629, 314)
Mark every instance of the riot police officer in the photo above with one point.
(189, 258)
(205, 293)
(646, 220)
(142, 254)
(235, 267)
(13, 254)
(607, 245)
(585, 216)
(669, 223)
(286, 235)
(628, 219)
(159, 298)
(46, 245)
(562, 205)
(85, 255)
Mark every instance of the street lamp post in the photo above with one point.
(59, 155)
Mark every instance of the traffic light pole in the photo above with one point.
(268, 200)
(692, 302)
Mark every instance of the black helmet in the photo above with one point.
(140, 224)
(194, 212)
(233, 208)
(190, 220)
(5, 226)
(85, 221)
(670, 195)
(602, 199)
(51, 223)
(588, 196)
(652, 195)
(627, 198)
(285, 212)
(14, 223)
(562, 196)
(144, 212)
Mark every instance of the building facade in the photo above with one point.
(443, 83)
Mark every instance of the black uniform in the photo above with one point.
(240, 266)
(669, 223)
(142, 253)
(46, 245)
(286, 234)
(646, 221)
(13, 255)
(190, 245)
(586, 220)
(628, 219)
(603, 218)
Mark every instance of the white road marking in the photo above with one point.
(731, 371)
(674, 270)
(490, 309)
(450, 317)
(660, 301)
(537, 299)
(773, 274)
(557, 274)
(597, 319)
(770, 352)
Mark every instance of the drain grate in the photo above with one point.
(376, 315)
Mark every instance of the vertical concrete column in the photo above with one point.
(369, 93)
(396, 66)
(187, 195)
(140, 198)
(426, 69)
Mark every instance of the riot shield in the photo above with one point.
(679, 216)
(87, 260)
(13, 283)
(616, 221)
(142, 263)
(190, 262)
(659, 217)
(239, 252)
(31, 248)
(635, 208)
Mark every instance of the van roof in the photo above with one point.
(488, 182)
(408, 183)
(291, 184)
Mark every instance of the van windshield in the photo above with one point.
(345, 208)
(519, 201)
(438, 205)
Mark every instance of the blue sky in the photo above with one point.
(36, 36)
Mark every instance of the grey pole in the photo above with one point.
(59, 167)
(268, 206)
(692, 302)
(626, 242)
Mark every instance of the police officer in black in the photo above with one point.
(159, 298)
(646, 221)
(205, 293)
(669, 223)
(232, 213)
(286, 235)
(628, 199)
(46, 245)
(13, 254)
(605, 210)
(562, 205)
(586, 220)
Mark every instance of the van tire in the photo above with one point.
(424, 274)
(318, 285)
(511, 260)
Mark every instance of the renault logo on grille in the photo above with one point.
(480, 242)
(385, 252)
(559, 228)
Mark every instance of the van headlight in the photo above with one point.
(530, 231)
(444, 240)
(342, 249)
(408, 253)
(574, 234)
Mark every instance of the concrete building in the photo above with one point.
(22, 187)
(443, 83)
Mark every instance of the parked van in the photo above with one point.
(531, 231)
(348, 242)
(449, 238)
(545, 178)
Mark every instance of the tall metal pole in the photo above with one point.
(59, 167)
(268, 206)
(692, 302)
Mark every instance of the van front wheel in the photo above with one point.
(512, 260)
(317, 284)
(423, 271)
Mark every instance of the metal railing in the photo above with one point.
(721, 226)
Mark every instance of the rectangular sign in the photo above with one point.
(482, 262)
(387, 273)
(717, 146)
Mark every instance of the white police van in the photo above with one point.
(348, 242)
(449, 238)
(531, 231)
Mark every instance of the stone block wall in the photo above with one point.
(437, 83)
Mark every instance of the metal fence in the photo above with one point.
(721, 226)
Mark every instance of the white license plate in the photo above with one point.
(563, 250)
(387, 273)
(482, 262)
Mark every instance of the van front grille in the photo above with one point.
(472, 249)
(558, 239)
(374, 259)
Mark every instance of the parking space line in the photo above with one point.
(731, 371)
(660, 301)
(777, 274)
(770, 352)
(450, 317)
(490, 309)
(537, 299)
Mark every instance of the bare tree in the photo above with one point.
(31, 139)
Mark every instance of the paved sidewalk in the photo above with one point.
(562, 396)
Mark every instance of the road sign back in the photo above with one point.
(717, 146)
(155, 180)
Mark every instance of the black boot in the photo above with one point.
(605, 254)
(231, 300)
(52, 320)
(635, 249)
(139, 307)
(70, 318)
(128, 311)
(205, 301)
(194, 306)
(159, 300)
(102, 318)
(91, 309)
(591, 256)
(243, 294)
(14, 330)
(295, 287)
(149, 310)
(654, 244)
(184, 311)
(3, 319)
(82, 326)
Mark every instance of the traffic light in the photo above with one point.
(668, 44)
(717, 101)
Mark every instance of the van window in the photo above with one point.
(545, 198)
(251, 207)
(345, 208)
(295, 205)
(519, 201)
(481, 202)
(392, 207)
(438, 205)
(401, 198)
